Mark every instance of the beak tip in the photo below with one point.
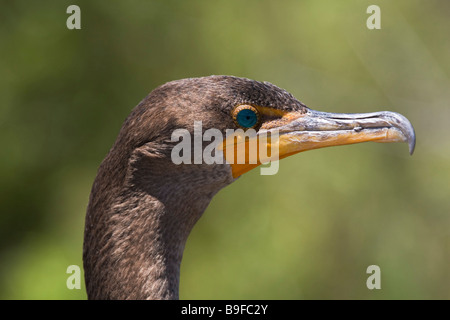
(411, 149)
(412, 145)
(405, 126)
(411, 135)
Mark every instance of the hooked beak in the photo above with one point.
(315, 129)
(302, 131)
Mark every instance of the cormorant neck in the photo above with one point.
(150, 245)
(138, 220)
(140, 252)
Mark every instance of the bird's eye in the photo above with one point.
(246, 116)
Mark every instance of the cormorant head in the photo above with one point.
(169, 132)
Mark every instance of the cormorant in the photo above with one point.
(143, 206)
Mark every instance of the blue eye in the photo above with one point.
(246, 116)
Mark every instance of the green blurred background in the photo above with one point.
(308, 232)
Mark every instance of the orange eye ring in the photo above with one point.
(246, 116)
